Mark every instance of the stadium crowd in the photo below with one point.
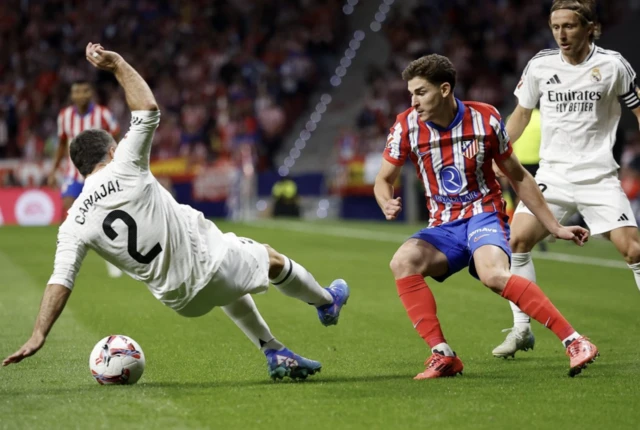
(224, 72)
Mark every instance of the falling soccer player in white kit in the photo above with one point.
(579, 87)
(129, 219)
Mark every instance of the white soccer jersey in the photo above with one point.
(130, 220)
(580, 109)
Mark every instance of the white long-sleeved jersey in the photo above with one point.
(129, 219)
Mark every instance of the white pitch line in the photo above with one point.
(356, 233)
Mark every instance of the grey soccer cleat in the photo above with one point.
(518, 339)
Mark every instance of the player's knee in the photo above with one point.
(401, 266)
(521, 244)
(276, 261)
(494, 279)
(632, 253)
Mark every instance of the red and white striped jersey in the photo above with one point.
(453, 163)
(71, 123)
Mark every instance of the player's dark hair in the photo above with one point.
(89, 148)
(586, 12)
(436, 69)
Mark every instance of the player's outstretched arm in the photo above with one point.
(53, 302)
(529, 192)
(383, 190)
(136, 90)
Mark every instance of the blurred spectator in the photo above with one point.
(222, 71)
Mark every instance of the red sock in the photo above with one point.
(533, 302)
(421, 308)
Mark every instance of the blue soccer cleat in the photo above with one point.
(285, 362)
(330, 313)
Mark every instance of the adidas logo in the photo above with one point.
(554, 80)
(624, 217)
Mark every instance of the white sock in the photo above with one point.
(245, 315)
(636, 272)
(567, 340)
(522, 265)
(443, 348)
(295, 281)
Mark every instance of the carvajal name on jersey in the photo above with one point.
(574, 101)
(103, 191)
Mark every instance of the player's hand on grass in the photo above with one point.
(392, 208)
(101, 59)
(575, 233)
(27, 350)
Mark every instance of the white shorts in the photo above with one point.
(602, 203)
(243, 270)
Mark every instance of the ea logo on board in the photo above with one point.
(34, 207)
(451, 180)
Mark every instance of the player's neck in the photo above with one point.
(579, 57)
(96, 169)
(449, 111)
(83, 109)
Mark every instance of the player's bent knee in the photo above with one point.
(401, 266)
(276, 261)
(495, 280)
(632, 256)
(520, 244)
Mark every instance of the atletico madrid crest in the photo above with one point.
(470, 148)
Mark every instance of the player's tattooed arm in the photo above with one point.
(53, 302)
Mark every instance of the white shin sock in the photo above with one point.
(244, 313)
(295, 281)
(522, 265)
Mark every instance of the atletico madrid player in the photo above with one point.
(452, 144)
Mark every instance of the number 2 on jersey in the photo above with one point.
(132, 245)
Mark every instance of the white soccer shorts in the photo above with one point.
(243, 270)
(602, 203)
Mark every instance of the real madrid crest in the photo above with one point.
(595, 75)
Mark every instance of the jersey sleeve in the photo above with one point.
(397, 147)
(112, 125)
(70, 253)
(502, 144)
(626, 86)
(135, 147)
(61, 134)
(528, 91)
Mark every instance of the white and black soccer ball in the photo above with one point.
(117, 360)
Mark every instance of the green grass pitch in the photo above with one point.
(203, 372)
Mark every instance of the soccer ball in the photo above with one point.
(117, 360)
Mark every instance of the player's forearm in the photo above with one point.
(383, 191)
(529, 192)
(53, 302)
(517, 123)
(136, 89)
(60, 153)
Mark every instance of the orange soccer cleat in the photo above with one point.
(581, 352)
(440, 365)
